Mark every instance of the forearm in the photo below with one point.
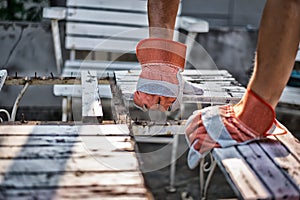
(162, 18)
(278, 41)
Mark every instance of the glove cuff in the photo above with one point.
(158, 50)
(255, 113)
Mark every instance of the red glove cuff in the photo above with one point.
(157, 50)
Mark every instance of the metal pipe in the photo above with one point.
(16, 104)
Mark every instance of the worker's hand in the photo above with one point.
(222, 126)
(160, 85)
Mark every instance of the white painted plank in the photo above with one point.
(78, 179)
(118, 161)
(57, 45)
(101, 44)
(106, 30)
(54, 13)
(11, 145)
(91, 102)
(101, 66)
(76, 91)
(157, 130)
(104, 16)
(241, 177)
(131, 5)
(89, 192)
(192, 24)
(3, 75)
(65, 130)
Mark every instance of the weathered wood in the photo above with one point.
(57, 45)
(76, 91)
(291, 143)
(3, 75)
(114, 31)
(68, 162)
(91, 102)
(269, 173)
(131, 5)
(219, 87)
(99, 44)
(105, 16)
(117, 161)
(241, 177)
(65, 130)
(157, 130)
(48, 80)
(284, 159)
(85, 192)
(57, 13)
(72, 179)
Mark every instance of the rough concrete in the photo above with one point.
(226, 13)
(230, 49)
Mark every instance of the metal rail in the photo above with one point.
(48, 80)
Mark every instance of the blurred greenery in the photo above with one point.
(22, 10)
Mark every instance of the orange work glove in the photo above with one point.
(223, 126)
(160, 84)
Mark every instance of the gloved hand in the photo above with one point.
(160, 85)
(223, 126)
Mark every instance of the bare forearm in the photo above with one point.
(276, 50)
(162, 17)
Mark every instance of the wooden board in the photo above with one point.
(276, 168)
(91, 102)
(65, 130)
(104, 30)
(69, 162)
(218, 85)
(286, 161)
(241, 177)
(131, 5)
(280, 186)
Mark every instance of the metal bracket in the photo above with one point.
(209, 168)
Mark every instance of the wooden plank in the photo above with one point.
(79, 193)
(114, 31)
(3, 75)
(186, 72)
(45, 147)
(19, 141)
(100, 65)
(57, 13)
(192, 24)
(65, 130)
(57, 45)
(291, 143)
(72, 179)
(49, 80)
(284, 159)
(153, 130)
(131, 5)
(105, 16)
(116, 161)
(91, 102)
(100, 44)
(240, 176)
(76, 91)
(270, 174)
